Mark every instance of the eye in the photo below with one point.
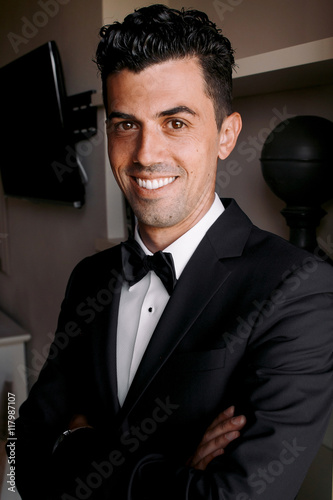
(124, 126)
(120, 127)
(176, 124)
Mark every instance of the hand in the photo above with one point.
(224, 429)
(78, 422)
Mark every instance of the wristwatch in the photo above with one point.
(61, 439)
(67, 433)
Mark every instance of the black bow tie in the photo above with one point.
(136, 264)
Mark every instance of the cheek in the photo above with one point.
(203, 169)
(121, 152)
(115, 167)
(116, 157)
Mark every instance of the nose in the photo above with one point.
(150, 147)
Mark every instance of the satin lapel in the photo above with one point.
(104, 336)
(204, 275)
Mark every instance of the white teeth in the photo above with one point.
(155, 183)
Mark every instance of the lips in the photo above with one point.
(154, 183)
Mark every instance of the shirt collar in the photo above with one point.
(183, 248)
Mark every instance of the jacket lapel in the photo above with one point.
(206, 272)
(104, 336)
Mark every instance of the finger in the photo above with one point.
(222, 417)
(202, 464)
(224, 429)
(214, 445)
(223, 425)
(205, 455)
(217, 439)
(78, 421)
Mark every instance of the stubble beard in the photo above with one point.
(150, 213)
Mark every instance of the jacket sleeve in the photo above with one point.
(288, 382)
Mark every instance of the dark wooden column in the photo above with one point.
(297, 165)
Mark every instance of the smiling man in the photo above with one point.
(164, 142)
(206, 316)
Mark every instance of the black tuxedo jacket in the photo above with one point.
(249, 323)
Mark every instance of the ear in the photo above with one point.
(230, 130)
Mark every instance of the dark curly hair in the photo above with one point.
(154, 34)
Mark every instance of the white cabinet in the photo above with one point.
(13, 381)
(305, 65)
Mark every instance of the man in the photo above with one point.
(242, 321)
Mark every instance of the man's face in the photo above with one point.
(163, 142)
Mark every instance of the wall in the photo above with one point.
(256, 26)
(44, 240)
(116, 11)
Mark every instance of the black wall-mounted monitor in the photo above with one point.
(38, 158)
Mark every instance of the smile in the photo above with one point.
(154, 183)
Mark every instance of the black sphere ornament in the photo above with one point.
(297, 165)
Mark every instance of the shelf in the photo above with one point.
(305, 65)
(10, 332)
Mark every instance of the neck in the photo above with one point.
(157, 239)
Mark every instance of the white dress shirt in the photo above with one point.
(142, 304)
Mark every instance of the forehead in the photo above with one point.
(159, 86)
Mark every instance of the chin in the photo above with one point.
(160, 213)
(157, 221)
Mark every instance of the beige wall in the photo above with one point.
(256, 26)
(116, 11)
(45, 241)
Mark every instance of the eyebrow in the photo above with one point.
(176, 110)
(167, 112)
(123, 116)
